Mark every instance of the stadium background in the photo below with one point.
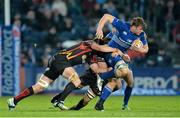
(41, 27)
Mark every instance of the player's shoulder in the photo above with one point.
(121, 21)
(143, 35)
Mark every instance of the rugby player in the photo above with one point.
(89, 78)
(128, 36)
(63, 60)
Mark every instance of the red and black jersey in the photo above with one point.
(79, 53)
(96, 59)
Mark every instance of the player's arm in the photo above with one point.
(107, 18)
(103, 48)
(106, 48)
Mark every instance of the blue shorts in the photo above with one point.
(111, 61)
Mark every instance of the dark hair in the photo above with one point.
(99, 41)
(138, 21)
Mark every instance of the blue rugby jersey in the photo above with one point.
(123, 38)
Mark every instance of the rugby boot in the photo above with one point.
(55, 99)
(11, 104)
(99, 106)
(62, 106)
(125, 107)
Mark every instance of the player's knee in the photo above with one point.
(121, 69)
(41, 84)
(74, 78)
(68, 72)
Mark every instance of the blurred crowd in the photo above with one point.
(50, 25)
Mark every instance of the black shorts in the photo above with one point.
(56, 66)
(89, 78)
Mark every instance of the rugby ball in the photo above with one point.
(137, 43)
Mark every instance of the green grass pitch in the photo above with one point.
(141, 106)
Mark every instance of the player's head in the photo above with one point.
(138, 25)
(99, 41)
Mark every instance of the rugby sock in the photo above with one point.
(27, 92)
(68, 89)
(127, 94)
(80, 105)
(105, 94)
(107, 75)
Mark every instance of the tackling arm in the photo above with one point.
(106, 48)
(103, 48)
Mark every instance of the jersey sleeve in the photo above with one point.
(118, 24)
(143, 38)
(109, 35)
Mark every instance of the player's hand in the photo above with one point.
(126, 58)
(99, 33)
(114, 54)
(114, 30)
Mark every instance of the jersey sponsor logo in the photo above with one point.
(84, 57)
(10, 47)
(110, 61)
(124, 32)
(129, 40)
(157, 82)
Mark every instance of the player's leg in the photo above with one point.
(103, 72)
(128, 77)
(121, 70)
(75, 83)
(116, 63)
(127, 93)
(85, 100)
(58, 100)
(71, 74)
(107, 75)
(89, 78)
(50, 74)
(42, 83)
(91, 93)
(106, 92)
(114, 84)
